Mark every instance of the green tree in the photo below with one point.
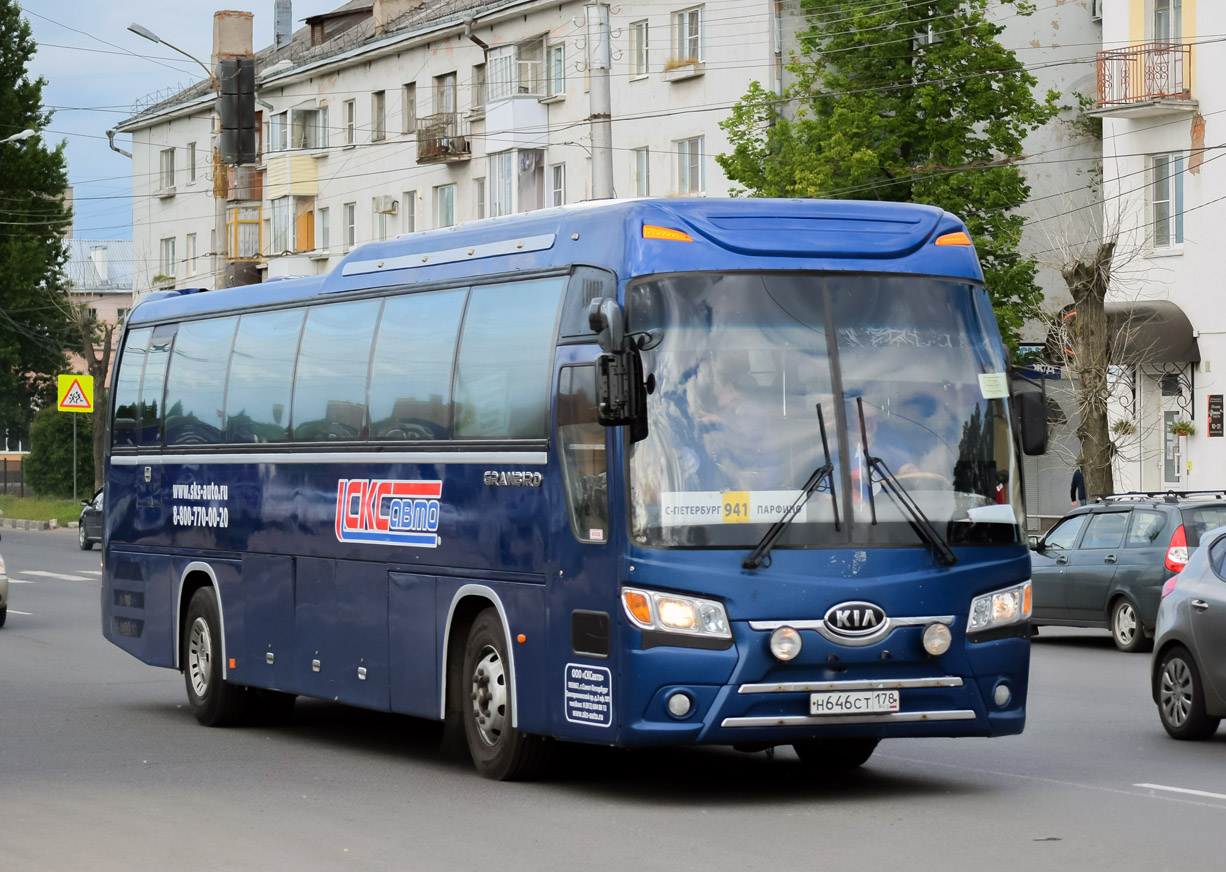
(903, 101)
(33, 180)
(48, 467)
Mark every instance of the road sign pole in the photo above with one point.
(74, 458)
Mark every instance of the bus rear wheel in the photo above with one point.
(835, 755)
(215, 702)
(498, 749)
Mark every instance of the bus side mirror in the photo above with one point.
(1031, 413)
(621, 395)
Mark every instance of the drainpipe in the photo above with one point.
(110, 140)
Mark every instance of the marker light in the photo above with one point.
(1000, 608)
(958, 238)
(785, 643)
(651, 231)
(670, 613)
(937, 639)
(1169, 587)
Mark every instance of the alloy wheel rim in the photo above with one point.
(1176, 692)
(199, 656)
(1125, 624)
(81, 535)
(489, 696)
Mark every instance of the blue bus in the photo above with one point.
(640, 472)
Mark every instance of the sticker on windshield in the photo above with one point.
(994, 385)
(681, 508)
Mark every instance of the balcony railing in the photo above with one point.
(1144, 73)
(440, 139)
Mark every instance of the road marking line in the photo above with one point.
(1204, 793)
(57, 575)
(15, 612)
(20, 581)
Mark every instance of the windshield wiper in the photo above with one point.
(945, 555)
(761, 554)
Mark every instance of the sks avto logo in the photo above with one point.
(388, 511)
(855, 619)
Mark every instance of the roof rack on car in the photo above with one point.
(1169, 496)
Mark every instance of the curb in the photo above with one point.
(20, 524)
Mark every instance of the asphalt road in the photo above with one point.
(103, 767)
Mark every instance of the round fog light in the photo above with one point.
(785, 643)
(937, 639)
(1002, 695)
(679, 705)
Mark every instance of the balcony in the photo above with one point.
(440, 139)
(1143, 80)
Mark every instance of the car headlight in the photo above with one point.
(670, 613)
(1000, 608)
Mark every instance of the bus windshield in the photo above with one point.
(903, 368)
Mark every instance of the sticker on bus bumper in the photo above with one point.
(388, 512)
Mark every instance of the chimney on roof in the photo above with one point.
(283, 24)
(386, 11)
(231, 35)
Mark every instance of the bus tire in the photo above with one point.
(835, 755)
(498, 750)
(215, 702)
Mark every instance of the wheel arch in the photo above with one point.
(195, 576)
(468, 602)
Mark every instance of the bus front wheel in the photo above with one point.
(498, 749)
(835, 755)
(214, 702)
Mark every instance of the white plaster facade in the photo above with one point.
(367, 170)
(1167, 193)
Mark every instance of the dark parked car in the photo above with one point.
(1189, 665)
(1103, 565)
(89, 525)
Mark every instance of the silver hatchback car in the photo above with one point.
(1188, 672)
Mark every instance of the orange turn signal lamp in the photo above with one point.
(638, 605)
(651, 231)
(959, 238)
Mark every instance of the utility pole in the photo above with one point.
(598, 62)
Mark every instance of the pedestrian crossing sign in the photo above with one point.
(76, 393)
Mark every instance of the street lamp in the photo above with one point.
(153, 37)
(17, 137)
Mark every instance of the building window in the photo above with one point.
(687, 35)
(189, 253)
(689, 166)
(166, 180)
(638, 48)
(479, 196)
(166, 262)
(557, 185)
(351, 122)
(278, 135)
(517, 69)
(325, 229)
(556, 70)
(1168, 20)
(378, 116)
(408, 108)
(1167, 200)
(502, 179)
(480, 90)
(409, 207)
(444, 94)
(351, 225)
(309, 128)
(191, 163)
(642, 172)
(282, 225)
(444, 206)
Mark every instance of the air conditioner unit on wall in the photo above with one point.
(1096, 10)
(387, 204)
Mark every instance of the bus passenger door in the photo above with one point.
(582, 589)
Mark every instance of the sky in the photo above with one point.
(96, 70)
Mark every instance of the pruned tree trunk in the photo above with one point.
(92, 330)
(1088, 281)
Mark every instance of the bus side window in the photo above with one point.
(127, 388)
(261, 376)
(196, 382)
(410, 375)
(581, 447)
(154, 383)
(503, 374)
(330, 382)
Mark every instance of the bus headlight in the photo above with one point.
(1000, 608)
(670, 613)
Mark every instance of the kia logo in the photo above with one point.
(855, 619)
